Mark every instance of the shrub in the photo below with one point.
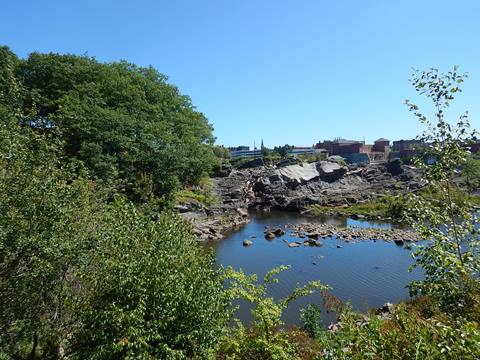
(266, 339)
(149, 291)
(405, 334)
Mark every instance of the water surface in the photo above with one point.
(365, 273)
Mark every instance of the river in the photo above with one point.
(364, 273)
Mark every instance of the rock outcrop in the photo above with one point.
(293, 187)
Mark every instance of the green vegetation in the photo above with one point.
(411, 331)
(150, 289)
(311, 157)
(46, 225)
(201, 194)
(266, 339)
(125, 124)
(282, 151)
(395, 206)
(387, 206)
(111, 280)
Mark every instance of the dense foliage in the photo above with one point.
(411, 331)
(125, 123)
(265, 339)
(83, 272)
(151, 291)
(45, 225)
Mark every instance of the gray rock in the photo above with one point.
(298, 173)
(269, 236)
(330, 171)
(247, 242)
(182, 208)
(242, 212)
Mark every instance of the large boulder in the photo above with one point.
(298, 173)
(330, 171)
(262, 184)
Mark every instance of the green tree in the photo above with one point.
(120, 120)
(150, 292)
(221, 152)
(283, 151)
(46, 224)
(450, 260)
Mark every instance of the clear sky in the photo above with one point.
(287, 71)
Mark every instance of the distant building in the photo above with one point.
(401, 145)
(340, 146)
(244, 152)
(407, 148)
(301, 150)
(381, 145)
(239, 148)
(357, 151)
(474, 147)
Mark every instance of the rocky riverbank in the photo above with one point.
(323, 231)
(294, 187)
(312, 234)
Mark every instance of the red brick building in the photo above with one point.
(340, 146)
(381, 145)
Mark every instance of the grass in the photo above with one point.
(203, 194)
(390, 206)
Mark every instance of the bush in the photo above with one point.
(266, 339)
(450, 259)
(405, 334)
(149, 291)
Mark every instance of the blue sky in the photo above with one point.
(286, 71)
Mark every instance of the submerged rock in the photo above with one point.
(278, 232)
(269, 236)
(294, 244)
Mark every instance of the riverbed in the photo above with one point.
(365, 273)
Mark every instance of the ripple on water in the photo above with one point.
(365, 273)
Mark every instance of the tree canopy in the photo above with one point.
(124, 122)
